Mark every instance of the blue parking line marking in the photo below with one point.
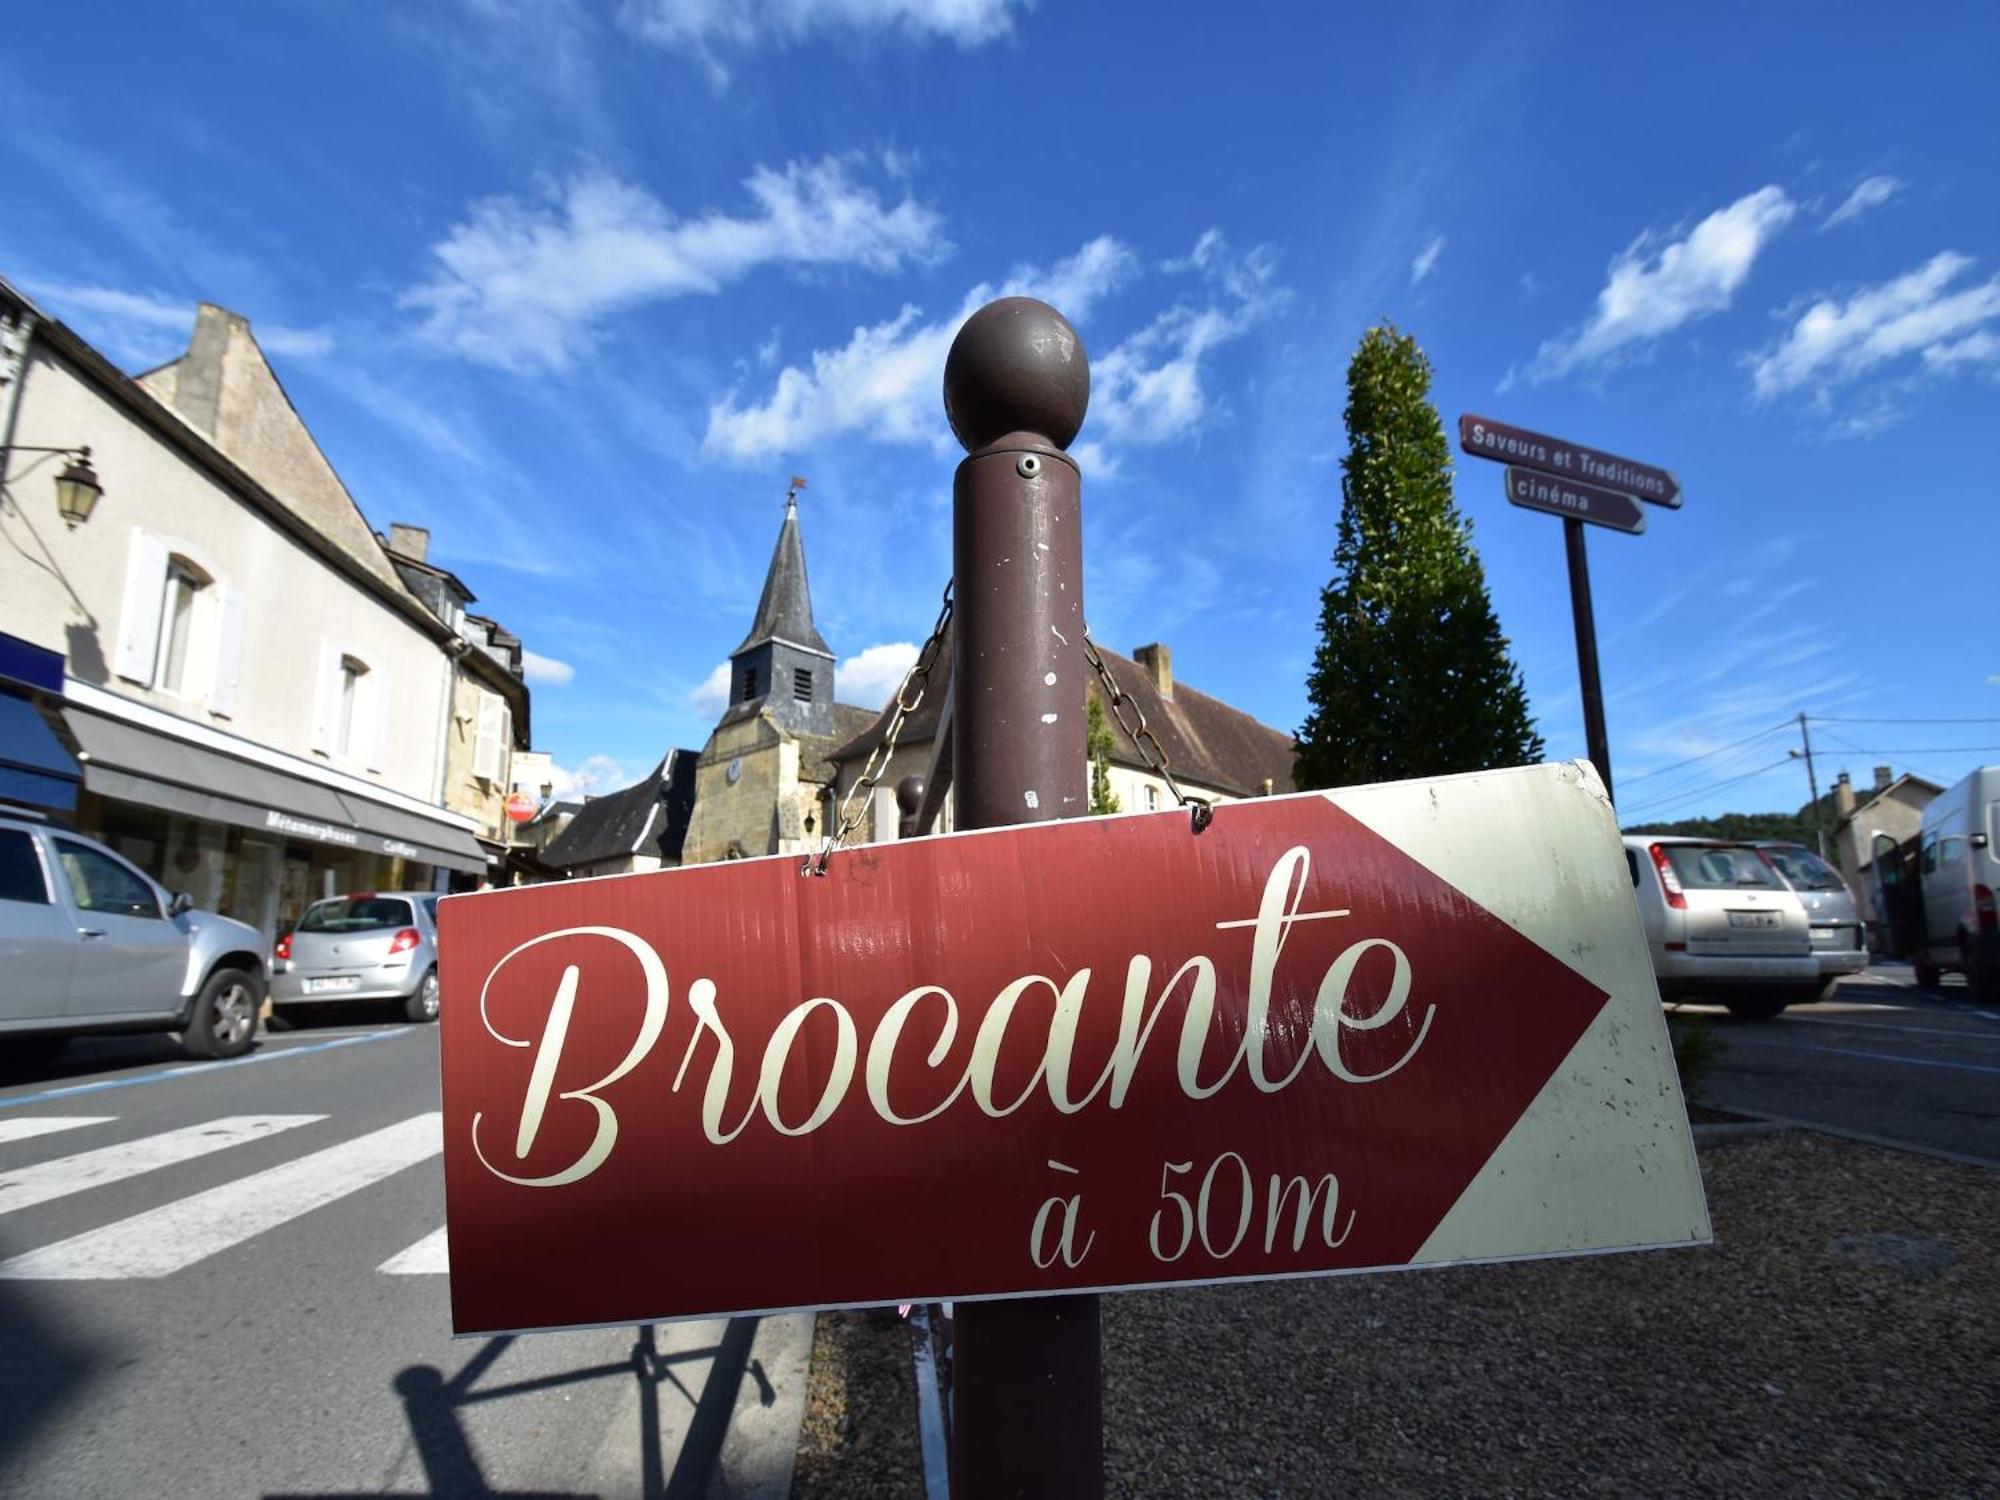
(183, 1071)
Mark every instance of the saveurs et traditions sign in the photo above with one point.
(1338, 1031)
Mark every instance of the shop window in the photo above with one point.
(101, 883)
(21, 869)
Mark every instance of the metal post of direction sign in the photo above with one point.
(1579, 484)
(1026, 1372)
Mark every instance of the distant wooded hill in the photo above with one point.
(1797, 826)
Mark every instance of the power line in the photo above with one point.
(1728, 762)
(1713, 786)
(1708, 754)
(1837, 719)
(1916, 749)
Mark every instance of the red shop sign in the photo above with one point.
(1393, 1025)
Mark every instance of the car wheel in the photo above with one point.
(224, 1023)
(422, 1007)
(1979, 975)
(1756, 1007)
(1926, 975)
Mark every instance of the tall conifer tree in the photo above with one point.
(1412, 676)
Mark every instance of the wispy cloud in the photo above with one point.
(1924, 313)
(526, 285)
(546, 671)
(708, 29)
(712, 696)
(872, 674)
(1148, 389)
(1656, 284)
(1870, 192)
(593, 777)
(1426, 261)
(148, 328)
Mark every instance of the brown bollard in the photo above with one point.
(1026, 1378)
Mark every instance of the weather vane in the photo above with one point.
(792, 495)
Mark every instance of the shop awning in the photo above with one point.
(35, 769)
(134, 764)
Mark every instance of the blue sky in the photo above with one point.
(578, 285)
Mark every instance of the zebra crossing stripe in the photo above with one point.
(27, 1130)
(23, 1187)
(167, 1239)
(429, 1256)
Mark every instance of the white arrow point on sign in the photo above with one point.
(1573, 1174)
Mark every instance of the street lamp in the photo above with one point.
(78, 488)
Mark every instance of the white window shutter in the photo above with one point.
(380, 704)
(326, 701)
(228, 649)
(139, 616)
(486, 747)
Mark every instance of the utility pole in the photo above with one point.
(1812, 783)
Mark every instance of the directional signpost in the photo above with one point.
(1581, 484)
(1391, 1026)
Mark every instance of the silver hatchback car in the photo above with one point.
(1839, 941)
(1721, 925)
(368, 946)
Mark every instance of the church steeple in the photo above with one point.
(784, 665)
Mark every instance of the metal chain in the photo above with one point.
(908, 697)
(1200, 809)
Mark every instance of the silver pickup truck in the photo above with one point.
(88, 943)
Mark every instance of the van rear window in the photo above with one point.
(356, 914)
(1720, 867)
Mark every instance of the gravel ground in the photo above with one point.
(1842, 1337)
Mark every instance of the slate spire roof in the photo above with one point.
(785, 611)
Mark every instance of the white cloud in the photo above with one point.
(1833, 341)
(150, 328)
(712, 696)
(597, 775)
(546, 671)
(1426, 260)
(1654, 288)
(525, 285)
(885, 380)
(701, 27)
(868, 678)
(1870, 193)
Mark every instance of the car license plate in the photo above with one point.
(1753, 919)
(329, 986)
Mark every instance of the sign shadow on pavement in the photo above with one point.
(436, 1406)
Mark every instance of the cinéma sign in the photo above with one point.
(1373, 1028)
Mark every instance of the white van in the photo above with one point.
(1958, 862)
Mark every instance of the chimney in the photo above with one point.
(1158, 661)
(1843, 797)
(409, 541)
(1882, 778)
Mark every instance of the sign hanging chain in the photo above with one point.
(908, 697)
(1200, 809)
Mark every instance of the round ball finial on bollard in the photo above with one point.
(1016, 366)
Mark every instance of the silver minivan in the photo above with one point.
(1839, 939)
(373, 945)
(1721, 925)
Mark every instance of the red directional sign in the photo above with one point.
(1584, 502)
(1331, 1032)
(1483, 437)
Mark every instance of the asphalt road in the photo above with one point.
(227, 1279)
(1882, 1059)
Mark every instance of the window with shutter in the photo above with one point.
(139, 615)
(228, 650)
(486, 747)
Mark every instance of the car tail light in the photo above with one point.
(284, 948)
(1669, 881)
(404, 941)
(1982, 903)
